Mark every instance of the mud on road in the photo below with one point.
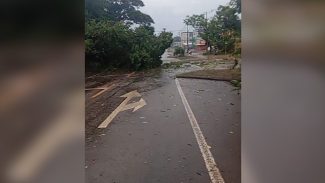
(103, 93)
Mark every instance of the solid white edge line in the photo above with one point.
(210, 163)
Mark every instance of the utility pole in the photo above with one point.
(206, 21)
(187, 38)
(206, 15)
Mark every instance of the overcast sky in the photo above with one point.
(169, 14)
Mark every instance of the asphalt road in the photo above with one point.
(157, 143)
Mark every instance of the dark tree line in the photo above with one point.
(119, 35)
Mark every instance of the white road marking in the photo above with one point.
(123, 107)
(104, 90)
(135, 106)
(210, 163)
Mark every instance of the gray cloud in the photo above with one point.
(169, 14)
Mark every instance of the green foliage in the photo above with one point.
(107, 44)
(179, 51)
(117, 10)
(172, 65)
(223, 31)
(236, 4)
(237, 84)
(228, 19)
(147, 48)
(197, 21)
(112, 43)
(116, 45)
(227, 25)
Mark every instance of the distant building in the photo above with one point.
(201, 44)
(187, 36)
(194, 41)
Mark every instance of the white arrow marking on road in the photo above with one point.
(123, 107)
(135, 106)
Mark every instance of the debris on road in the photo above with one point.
(136, 131)
(211, 74)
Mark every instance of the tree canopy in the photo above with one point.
(236, 4)
(117, 10)
(112, 43)
(223, 31)
(196, 21)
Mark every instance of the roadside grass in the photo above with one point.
(174, 65)
(178, 64)
(186, 58)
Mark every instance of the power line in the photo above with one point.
(184, 29)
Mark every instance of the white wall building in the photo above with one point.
(184, 38)
(193, 38)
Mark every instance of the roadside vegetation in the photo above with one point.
(223, 31)
(119, 36)
(179, 52)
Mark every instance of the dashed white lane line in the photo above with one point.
(209, 161)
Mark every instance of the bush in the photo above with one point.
(179, 51)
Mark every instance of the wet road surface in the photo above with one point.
(157, 143)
